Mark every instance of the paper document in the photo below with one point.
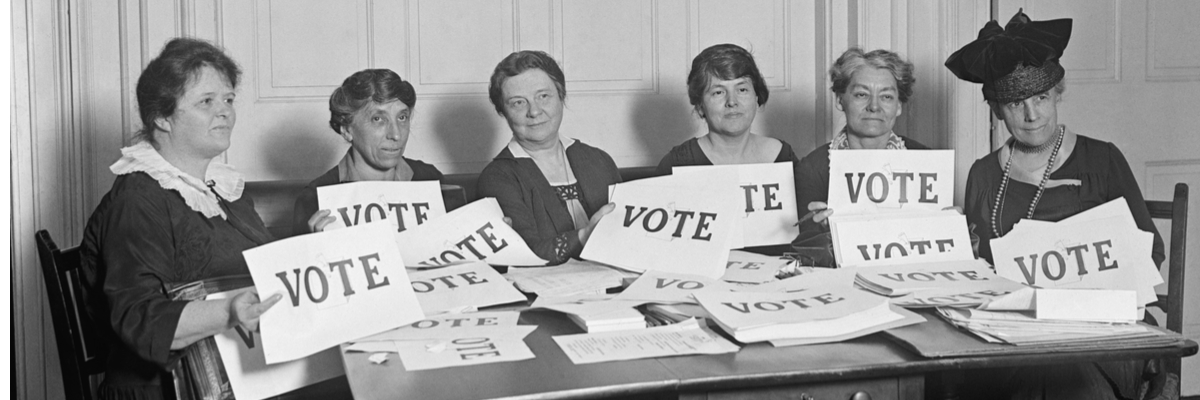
(896, 239)
(476, 231)
(669, 340)
(460, 350)
(664, 287)
(887, 181)
(474, 284)
(748, 267)
(336, 286)
(768, 194)
(571, 277)
(403, 204)
(444, 325)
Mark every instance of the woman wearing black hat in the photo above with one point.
(1044, 172)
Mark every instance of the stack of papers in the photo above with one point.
(620, 319)
(687, 337)
(816, 315)
(571, 278)
(1023, 328)
(943, 284)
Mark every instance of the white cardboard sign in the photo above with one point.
(335, 286)
(894, 239)
(469, 285)
(768, 200)
(247, 369)
(476, 231)
(886, 181)
(665, 287)
(661, 228)
(1086, 305)
(403, 204)
(459, 350)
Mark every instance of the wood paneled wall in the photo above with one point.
(76, 64)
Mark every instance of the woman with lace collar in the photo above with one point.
(173, 216)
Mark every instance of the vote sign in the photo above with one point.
(885, 181)
(767, 197)
(1090, 254)
(681, 229)
(663, 287)
(403, 204)
(337, 286)
(469, 285)
(894, 239)
(476, 231)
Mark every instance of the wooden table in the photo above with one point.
(872, 365)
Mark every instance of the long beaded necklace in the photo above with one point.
(999, 203)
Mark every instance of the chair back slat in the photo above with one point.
(81, 350)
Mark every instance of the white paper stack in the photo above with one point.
(817, 315)
(617, 320)
(870, 240)
(1023, 328)
(570, 278)
(944, 284)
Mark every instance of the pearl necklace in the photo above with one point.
(998, 209)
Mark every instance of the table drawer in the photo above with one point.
(874, 389)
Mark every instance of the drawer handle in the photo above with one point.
(860, 396)
(805, 396)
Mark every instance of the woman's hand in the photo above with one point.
(820, 212)
(320, 220)
(246, 308)
(587, 231)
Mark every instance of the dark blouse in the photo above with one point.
(538, 214)
(1099, 166)
(306, 201)
(812, 184)
(141, 241)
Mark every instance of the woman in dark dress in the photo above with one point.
(372, 111)
(1047, 172)
(726, 90)
(554, 188)
(173, 216)
(871, 89)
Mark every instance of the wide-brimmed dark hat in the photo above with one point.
(1015, 62)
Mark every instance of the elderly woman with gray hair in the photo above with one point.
(871, 90)
(372, 110)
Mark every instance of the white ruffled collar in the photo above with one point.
(226, 181)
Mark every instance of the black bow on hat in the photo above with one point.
(1033, 47)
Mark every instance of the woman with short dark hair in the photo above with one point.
(726, 89)
(373, 111)
(554, 188)
(173, 216)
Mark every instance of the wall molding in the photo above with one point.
(1155, 70)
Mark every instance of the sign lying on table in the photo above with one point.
(459, 350)
(884, 181)
(1080, 252)
(247, 369)
(894, 239)
(403, 204)
(666, 287)
(768, 193)
(665, 228)
(752, 268)
(462, 286)
(683, 338)
(335, 285)
(448, 325)
(476, 231)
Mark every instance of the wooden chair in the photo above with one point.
(1175, 210)
(81, 349)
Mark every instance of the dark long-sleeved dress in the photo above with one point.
(537, 211)
(141, 241)
(1101, 174)
(306, 201)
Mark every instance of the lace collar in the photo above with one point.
(223, 179)
(842, 142)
